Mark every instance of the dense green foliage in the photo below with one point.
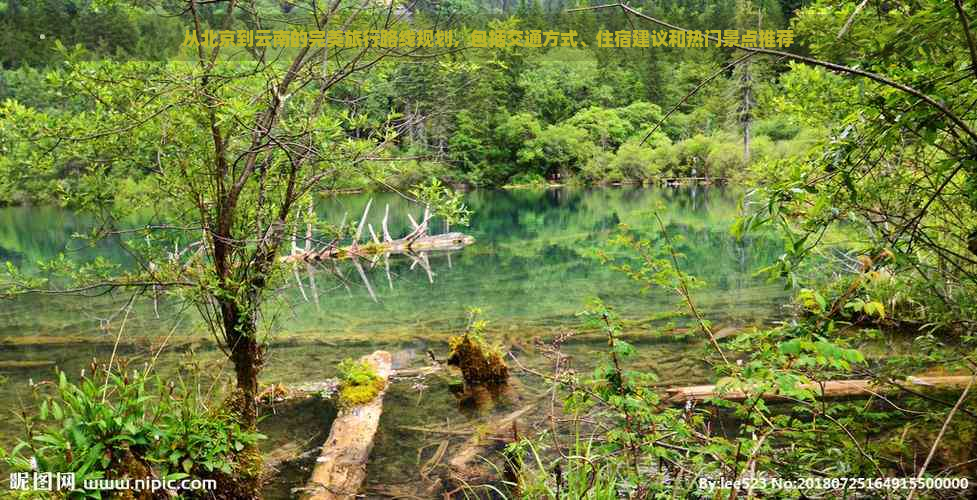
(482, 117)
(880, 243)
(32, 30)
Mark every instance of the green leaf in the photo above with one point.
(791, 347)
(875, 308)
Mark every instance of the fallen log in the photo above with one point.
(24, 365)
(418, 240)
(341, 467)
(417, 372)
(828, 389)
(465, 464)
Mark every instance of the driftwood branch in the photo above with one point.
(386, 231)
(359, 229)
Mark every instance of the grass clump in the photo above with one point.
(358, 383)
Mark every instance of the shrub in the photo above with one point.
(599, 170)
(410, 173)
(666, 159)
(778, 127)
(517, 130)
(724, 159)
(605, 126)
(641, 114)
(528, 179)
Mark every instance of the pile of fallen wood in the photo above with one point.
(416, 245)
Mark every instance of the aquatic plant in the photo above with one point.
(533, 474)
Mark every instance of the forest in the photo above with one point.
(468, 270)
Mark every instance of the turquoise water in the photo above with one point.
(532, 264)
(531, 270)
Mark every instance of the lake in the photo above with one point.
(531, 270)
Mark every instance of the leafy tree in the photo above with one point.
(605, 126)
(559, 150)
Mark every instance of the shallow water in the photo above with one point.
(531, 271)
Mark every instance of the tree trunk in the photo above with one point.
(746, 142)
(746, 110)
(247, 354)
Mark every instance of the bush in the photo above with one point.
(665, 158)
(558, 149)
(517, 130)
(762, 148)
(528, 179)
(724, 159)
(606, 127)
(641, 114)
(599, 170)
(690, 154)
(410, 173)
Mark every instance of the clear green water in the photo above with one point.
(531, 270)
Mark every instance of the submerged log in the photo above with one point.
(341, 468)
(466, 465)
(24, 365)
(828, 389)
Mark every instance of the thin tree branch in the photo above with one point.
(968, 35)
(939, 436)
